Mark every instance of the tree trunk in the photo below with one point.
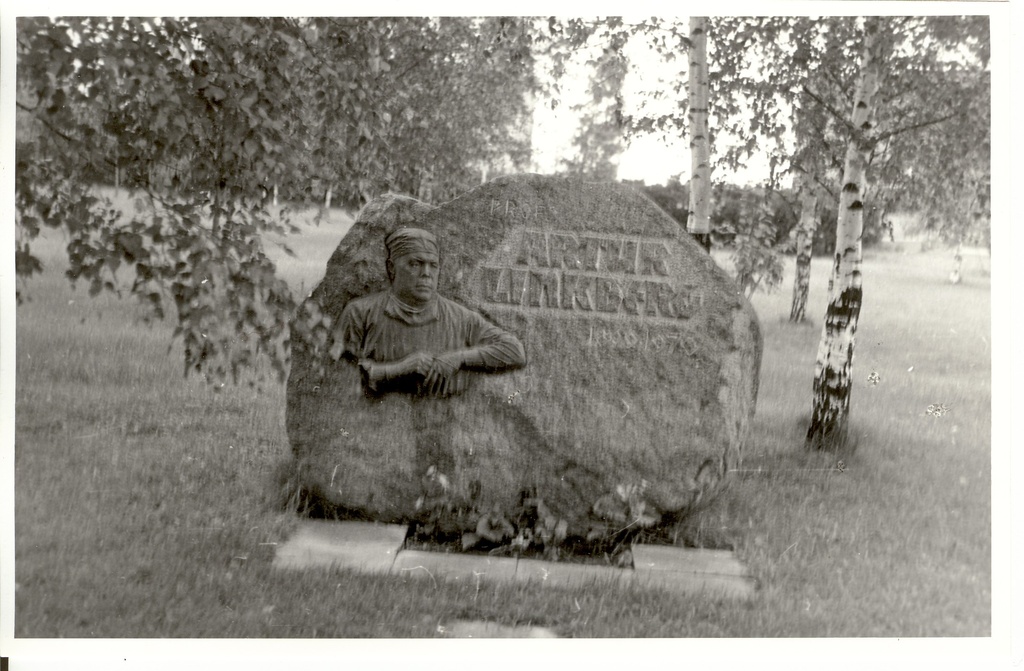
(698, 222)
(327, 199)
(426, 187)
(804, 245)
(833, 369)
(275, 194)
(958, 263)
(883, 225)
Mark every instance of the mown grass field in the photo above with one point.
(146, 506)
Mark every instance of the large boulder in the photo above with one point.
(641, 375)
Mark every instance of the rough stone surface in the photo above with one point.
(641, 375)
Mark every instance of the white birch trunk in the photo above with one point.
(698, 222)
(833, 368)
(958, 264)
(804, 243)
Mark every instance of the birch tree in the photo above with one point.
(698, 222)
(833, 367)
(815, 169)
(207, 116)
(903, 92)
(762, 65)
(804, 242)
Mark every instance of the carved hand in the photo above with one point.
(442, 371)
(417, 363)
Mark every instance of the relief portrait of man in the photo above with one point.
(408, 339)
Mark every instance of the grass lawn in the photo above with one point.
(145, 501)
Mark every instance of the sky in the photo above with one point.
(651, 158)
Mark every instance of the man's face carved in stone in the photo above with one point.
(415, 277)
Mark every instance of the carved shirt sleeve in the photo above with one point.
(351, 331)
(366, 334)
(493, 348)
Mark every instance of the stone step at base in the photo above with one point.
(362, 546)
(461, 568)
(377, 548)
(671, 559)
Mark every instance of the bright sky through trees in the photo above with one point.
(653, 158)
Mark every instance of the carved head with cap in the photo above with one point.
(412, 265)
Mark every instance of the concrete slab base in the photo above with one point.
(689, 571)
(363, 546)
(564, 574)
(455, 567)
(377, 548)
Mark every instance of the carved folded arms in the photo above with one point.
(412, 340)
(425, 358)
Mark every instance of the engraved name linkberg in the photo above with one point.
(600, 274)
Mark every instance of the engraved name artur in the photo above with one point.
(601, 274)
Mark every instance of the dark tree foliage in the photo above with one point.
(673, 197)
(203, 118)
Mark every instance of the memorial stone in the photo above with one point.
(627, 381)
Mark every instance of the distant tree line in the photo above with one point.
(736, 208)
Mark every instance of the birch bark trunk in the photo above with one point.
(698, 223)
(958, 264)
(804, 244)
(833, 369)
